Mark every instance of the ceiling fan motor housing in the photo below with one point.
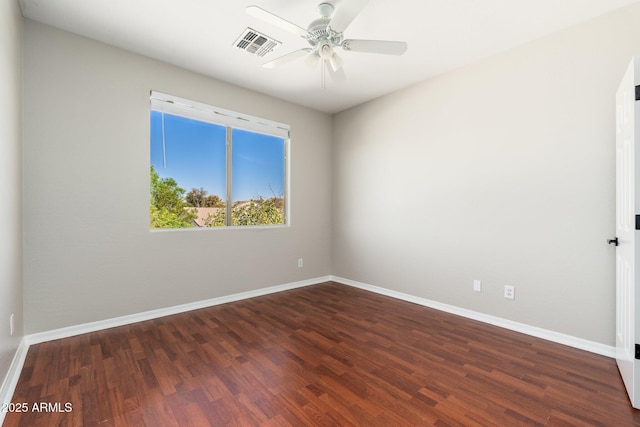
(319, 31)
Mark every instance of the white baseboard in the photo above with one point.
(582, 344)
(154, 314)
(11, 379)
(13, 375)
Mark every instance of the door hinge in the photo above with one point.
(637, 351)
(637, 222)
(637, 93)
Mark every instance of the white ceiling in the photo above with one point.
(198, 35)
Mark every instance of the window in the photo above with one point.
(212, 167)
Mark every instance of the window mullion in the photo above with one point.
(229, 207)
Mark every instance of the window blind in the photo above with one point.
(195, 110)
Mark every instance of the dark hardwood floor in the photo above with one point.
(325, 355)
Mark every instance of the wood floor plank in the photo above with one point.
(324, 355)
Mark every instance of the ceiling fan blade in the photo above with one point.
(291, 56)
(260, 13)
(336, 62)
(346, 12)
(375, 46)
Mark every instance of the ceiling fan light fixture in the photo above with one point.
(336, 62)
(325, 50)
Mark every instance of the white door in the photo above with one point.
(627, 206)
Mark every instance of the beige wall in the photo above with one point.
(89, 254)
(501, 171)
(10, 180)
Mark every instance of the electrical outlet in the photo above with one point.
(477, 285)
(300, 263)
(510, 292)
(11, 324)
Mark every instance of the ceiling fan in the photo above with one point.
(324, 35)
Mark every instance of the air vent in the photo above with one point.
(256, 43)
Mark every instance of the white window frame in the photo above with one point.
(186, 108)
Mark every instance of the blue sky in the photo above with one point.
(195, 157)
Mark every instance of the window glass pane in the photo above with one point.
(207, 173)
(258, 178)
(188, 176)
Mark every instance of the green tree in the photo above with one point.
(217, 219)
(167, 206)
(258, 211)
(196, 197)
(199, 198)
(213, 201)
